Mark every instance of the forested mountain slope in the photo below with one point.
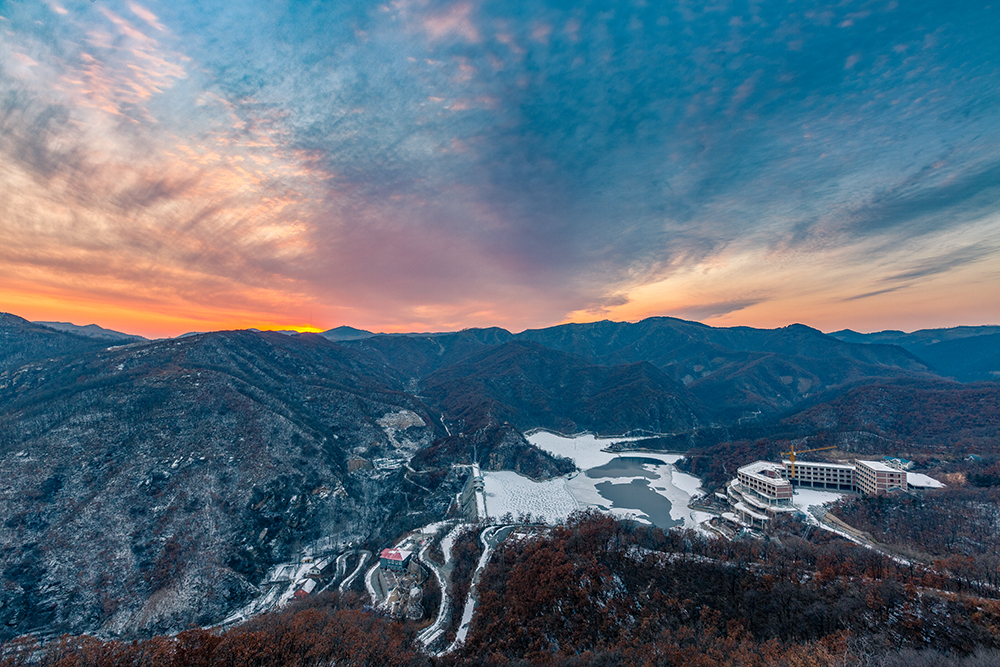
(596, 593)
(967, 354)
(532, 386)
(151, 484)
(93, 331)
(148, 487)
(22, 342)
(925, 416)
(735, 371)
(627, 595)
(732, 372)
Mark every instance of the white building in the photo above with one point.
(874, 477)
(822, 475)
(759, 492)
(763, 489)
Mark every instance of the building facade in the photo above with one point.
(822, 475)
(759, 492)
(874, 477)
(395, 559)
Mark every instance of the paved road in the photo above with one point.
(433, 632)
(342, 565)
(490, 537)
(374, 586)
(365, 555)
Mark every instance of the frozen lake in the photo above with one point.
(626, 466)
(638, 486)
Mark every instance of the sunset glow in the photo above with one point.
(425, 165)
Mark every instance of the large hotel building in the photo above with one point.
(875, 477)
(763, 489)
(759, 492)
(822, 475)
(868, 477)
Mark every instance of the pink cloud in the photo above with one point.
(572, 29)
(508, 40)
(149, 17)
(540, 32)
(453, 22)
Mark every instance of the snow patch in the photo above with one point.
(806, 498)
(689, 484)
(923, 481)
(400, 420)
(434, 528)
(510, 492)
(448, 541)
(584, 450)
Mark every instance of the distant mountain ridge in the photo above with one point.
(22, 342)
(967, 354)
(346, 333)
(730, 372)
(735, 370)
(91, 331)
(921, 337)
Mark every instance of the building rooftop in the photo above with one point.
(825, 464)
(760, 469)
(877, 465)
(916, 479)
(395, 554)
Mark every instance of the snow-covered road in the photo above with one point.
(490, 538)
(344, 585)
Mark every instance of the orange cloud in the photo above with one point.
(145, 230)
(828, 289)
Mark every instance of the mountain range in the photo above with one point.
(150, 484)
(962, 353)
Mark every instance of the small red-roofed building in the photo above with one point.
(394, 559)
(307, 588)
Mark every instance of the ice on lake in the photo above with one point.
(507, 491)
(640, 486)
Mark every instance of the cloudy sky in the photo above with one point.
(424, 165)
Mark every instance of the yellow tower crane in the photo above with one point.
(791, 455)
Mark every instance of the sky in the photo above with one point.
(425, 166)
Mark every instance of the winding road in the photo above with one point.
(490, 538)
(433, 632)
(346, 583)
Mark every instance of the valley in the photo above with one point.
(221, 478)
(453, 333)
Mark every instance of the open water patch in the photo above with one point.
(637, 495)
(627, 466)
(629, 481)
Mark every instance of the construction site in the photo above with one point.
(764, 489)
